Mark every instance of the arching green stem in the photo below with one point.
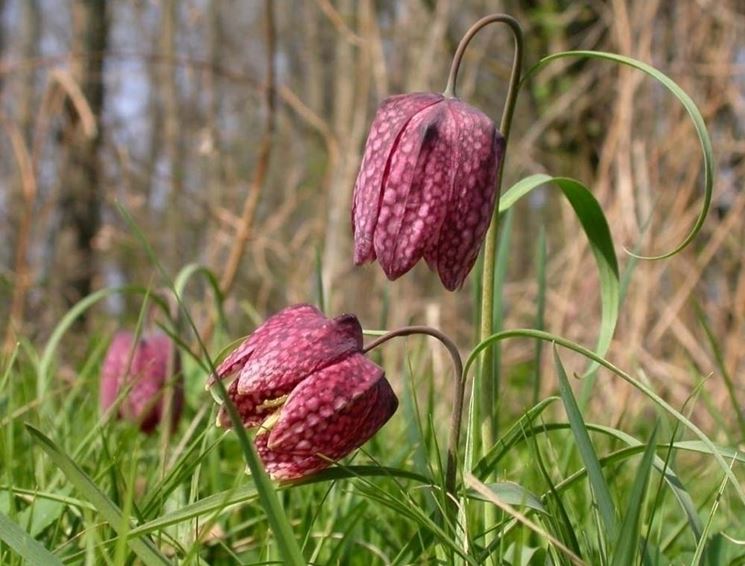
(488, 392)
(459, 386)
(514, 86)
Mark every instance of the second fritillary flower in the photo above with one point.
(302, 379)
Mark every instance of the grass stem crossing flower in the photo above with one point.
(302, 379)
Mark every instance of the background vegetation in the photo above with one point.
(231, 133)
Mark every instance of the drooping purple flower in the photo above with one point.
(426, 186)
(143, 373)
(303, 380)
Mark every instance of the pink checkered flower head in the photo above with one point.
(302, 379)
(426, 186)
(141, 371)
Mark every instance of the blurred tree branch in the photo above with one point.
(265, 150)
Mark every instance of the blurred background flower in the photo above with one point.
(144, 376)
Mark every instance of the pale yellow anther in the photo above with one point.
(268, 423)
(273, 403)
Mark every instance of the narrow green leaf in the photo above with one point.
(512, 494)
(487, 389)
(627, 544)
(349, 521)
(24, 545)
(501, 265)
(187, 272)
(40, 515)
(509, 439)
(318, 273)
(143, 547)
(72, 315)
(609, 461)
(587, 452)
(59, 496)
(591, 217)
(475, 484)
(405, 507)
(729, 383)
(690, 108)
(643, 388)
(556, 505)
(247, 494)
(265, 489)
(713, 450)
(540, 309)
(704, 540)
(635, 447)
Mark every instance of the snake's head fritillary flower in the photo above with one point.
(302, 379)
(426, 186)
(142, 372)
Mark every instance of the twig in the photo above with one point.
(252, 199)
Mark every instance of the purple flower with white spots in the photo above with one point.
(426, 186)
(303, 380)
(143, 373)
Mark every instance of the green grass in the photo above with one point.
(78, 488)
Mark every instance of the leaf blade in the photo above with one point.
(595, 225)
(691, 109)
(587, 452)
(628, 537)
(143, 547)
(27, 547)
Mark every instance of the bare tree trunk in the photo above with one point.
(155, 138)
(80, 200)
(314, 73)
(2, 37)
(227, 280)
(30, 49)
(24, 110)
(213, 148)
(172, 126)
(5, 232)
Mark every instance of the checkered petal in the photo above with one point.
(280, 354)
(326, 417)
(382, 144)
(478, 153)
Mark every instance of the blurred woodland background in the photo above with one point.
(232, 130)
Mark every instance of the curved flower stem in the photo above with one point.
(488, 388)
(451, 467)
(517, 32)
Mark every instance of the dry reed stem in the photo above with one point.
(693, 276)
(265, 150)
(72, 89)
(22, 269)
(338, 22)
